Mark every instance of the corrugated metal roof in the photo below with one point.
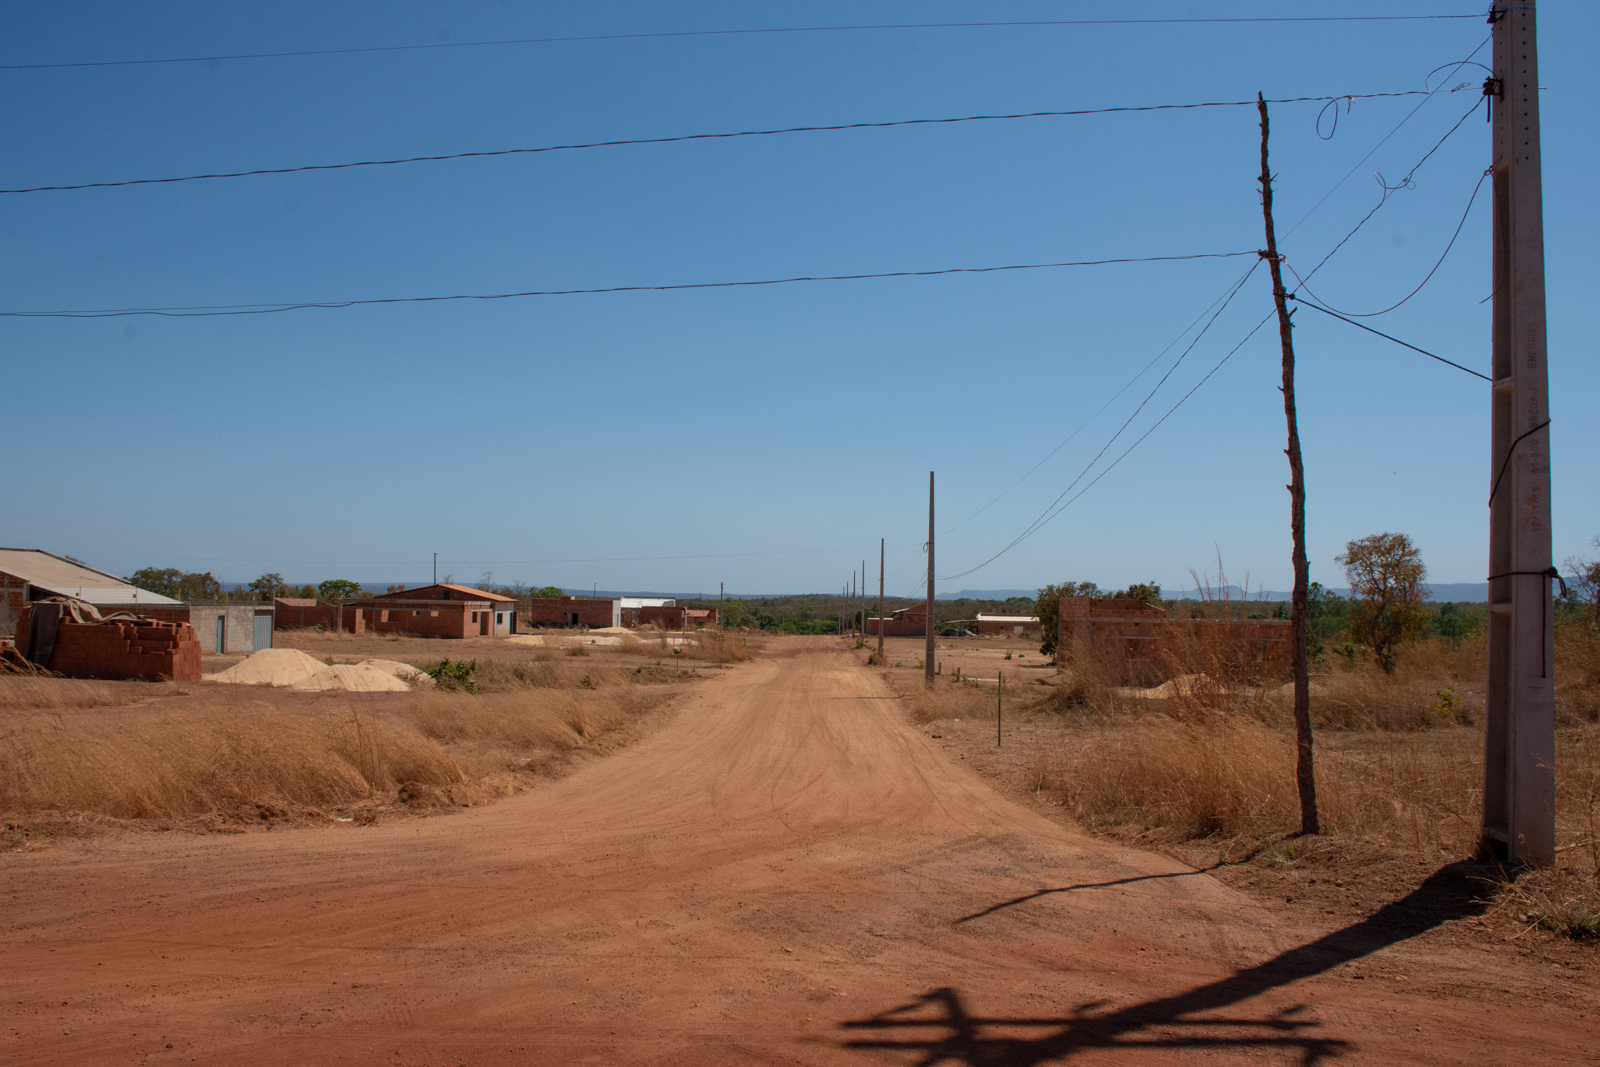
(66, 578)
(1007, 618)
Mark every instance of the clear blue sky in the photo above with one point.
(762, 437)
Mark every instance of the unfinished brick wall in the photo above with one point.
(907, 622)
(571, 611)
(1134, 643)
(147, 650)
(299, 613)
(455, 619)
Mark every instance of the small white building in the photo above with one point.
(1008, 624)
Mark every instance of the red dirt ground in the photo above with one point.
(786, 872)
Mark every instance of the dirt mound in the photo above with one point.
(295, 669)
(416, 676)
(277, 666)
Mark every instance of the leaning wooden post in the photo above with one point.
(1305, 776)
(999, 704)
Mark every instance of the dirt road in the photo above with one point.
(784, 873)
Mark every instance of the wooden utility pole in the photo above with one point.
(927, 628)
(1305, 776)
(722, 592)
(880, 600)
(1519, 741)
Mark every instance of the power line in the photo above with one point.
(1396, 340)
(725, 33)
(1085, 424)
(267, 309)
(1429, 95)
(1051, 510)
(1403, 183)
(1057, 510)
(685, 137)
(1418, 289)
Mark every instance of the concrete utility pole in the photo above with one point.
(861, 603)
(880, 600)
(927, 658)
(436, 568)
(722, 591)
(1519, 744)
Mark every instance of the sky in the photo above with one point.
(763, 437)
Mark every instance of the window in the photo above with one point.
(474, 616)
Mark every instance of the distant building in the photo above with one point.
(907, 622)
(1131, 642)
(700, 618)
(303, 613)
(441, 610)
(631, 605)
(1007, 624)
(573, 612)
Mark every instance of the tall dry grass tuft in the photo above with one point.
(171, 766)
(950, 700)
(717, 646)
(504, 731)
(547, 672)
(1227, 777)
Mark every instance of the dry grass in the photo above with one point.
(60, 751)
(706, 646)
(508, 731)
(174, 765)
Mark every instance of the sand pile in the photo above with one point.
(294, 669)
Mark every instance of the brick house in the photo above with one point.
(572, 612)
(907, 622)
(440, 610)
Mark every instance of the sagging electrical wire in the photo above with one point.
(1404, 183)
(1427, 95)
(1414, 292)
(1050, 511)
(1085, 424)
(268, 309)
(672, 140)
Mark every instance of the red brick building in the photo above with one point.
(1136, 643)
(440, 610)
(907, 622)
(303, 613)
(572, 612)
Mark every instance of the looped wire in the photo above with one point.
(1349, 101)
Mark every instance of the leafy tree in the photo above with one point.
(162, 581)
(172, 582)
(1583, 583)
(267, 586)
(1047, 605)
(1149, 592)
(195, 586)
(336, 589)
(1385, 572)
(550, 592)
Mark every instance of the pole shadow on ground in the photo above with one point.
(939, 1024)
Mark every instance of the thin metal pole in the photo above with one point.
(436, 568)
(999, 706)
(1519, 736)
(880, 599)
(927, 627)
